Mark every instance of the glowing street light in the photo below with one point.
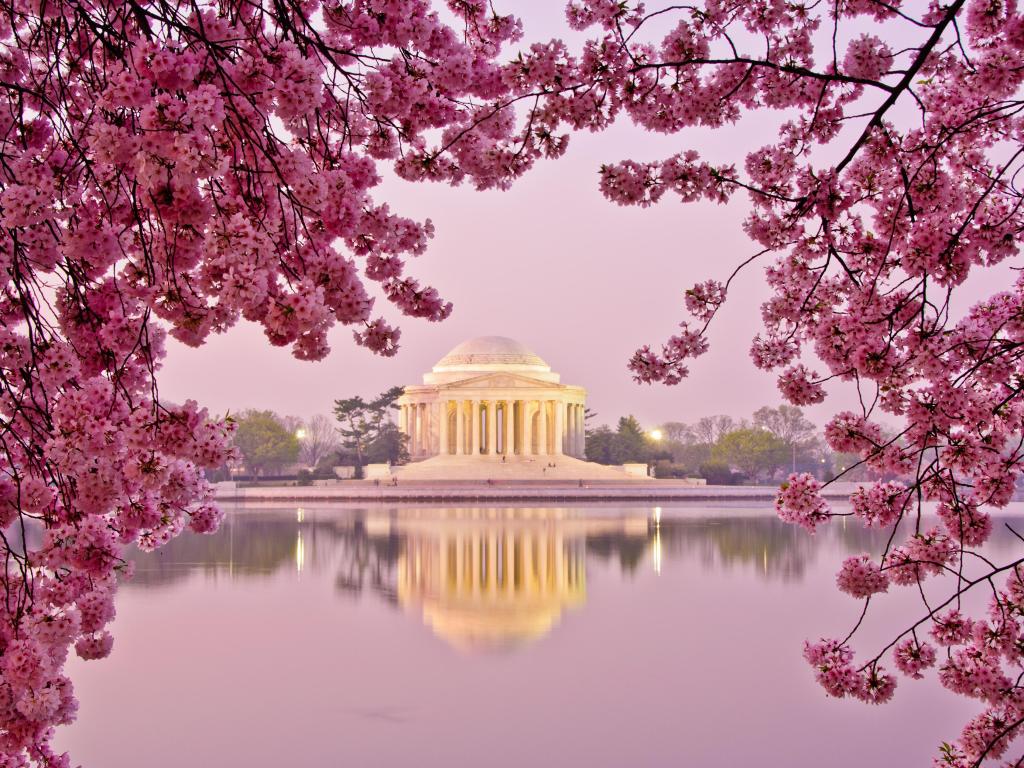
(655, 435)
(300, 434)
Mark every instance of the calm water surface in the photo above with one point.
(577, 636)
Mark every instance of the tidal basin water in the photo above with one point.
(432, 636)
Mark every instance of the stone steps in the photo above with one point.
(483, 468)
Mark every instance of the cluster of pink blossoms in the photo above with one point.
(171, 167)
(179, 166)
(893, 178)
(860, 576)
(833, 662)
(800, 502)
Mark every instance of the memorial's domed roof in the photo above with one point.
(488, 352)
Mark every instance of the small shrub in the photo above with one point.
(717, 474)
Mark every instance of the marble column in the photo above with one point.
(475, 425)
(573, 413)
(524, 412)
(411, 428)
(574, 439)
(492, 427)
(417, 420)
(427, 424)
(460, 427)
(581, 436)
(542, 429)
(559, 427)
(402, 420)
(510, 427)
(443, 429)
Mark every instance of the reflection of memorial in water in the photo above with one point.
(493, 583)
(492, 578)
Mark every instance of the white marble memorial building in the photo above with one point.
(492, 401)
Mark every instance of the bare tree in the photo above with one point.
(292, 423)
(787, 423)
(319, 439)
(709, 428)
(677, 432)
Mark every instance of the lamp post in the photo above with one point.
(655, 435)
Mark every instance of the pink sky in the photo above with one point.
(553, 264)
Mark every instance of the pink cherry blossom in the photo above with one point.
(173, 168)
(176, 168)
(833, 663)
(861, 577)
(880, 504)
(799, 501)
(911, 657)
(886, 188)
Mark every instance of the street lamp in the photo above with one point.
(300, 434)
(655, 435)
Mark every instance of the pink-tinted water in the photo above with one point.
(600, 636)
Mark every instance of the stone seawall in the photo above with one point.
(665, 490)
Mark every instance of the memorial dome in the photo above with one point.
(490, 352)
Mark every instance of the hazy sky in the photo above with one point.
(550, 262)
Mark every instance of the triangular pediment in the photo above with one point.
(501, 381)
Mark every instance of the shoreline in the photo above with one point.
(439, 491)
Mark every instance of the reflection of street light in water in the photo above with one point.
(656, 544)
(300, 553)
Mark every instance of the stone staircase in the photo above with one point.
(483, 468)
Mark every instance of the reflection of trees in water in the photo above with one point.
(368, 561)
(773, 549)
(264, 543)
(778, 550)
(246, 546)
(766, 544)
(251, 547)
(630, 551)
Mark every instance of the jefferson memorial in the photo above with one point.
(493, 409)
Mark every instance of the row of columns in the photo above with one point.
(476, 433)
(414, 420)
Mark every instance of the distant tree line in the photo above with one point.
(362, 432)
(764, 448)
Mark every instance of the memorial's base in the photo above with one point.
(485, 468)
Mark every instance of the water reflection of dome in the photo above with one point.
(491, 586)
